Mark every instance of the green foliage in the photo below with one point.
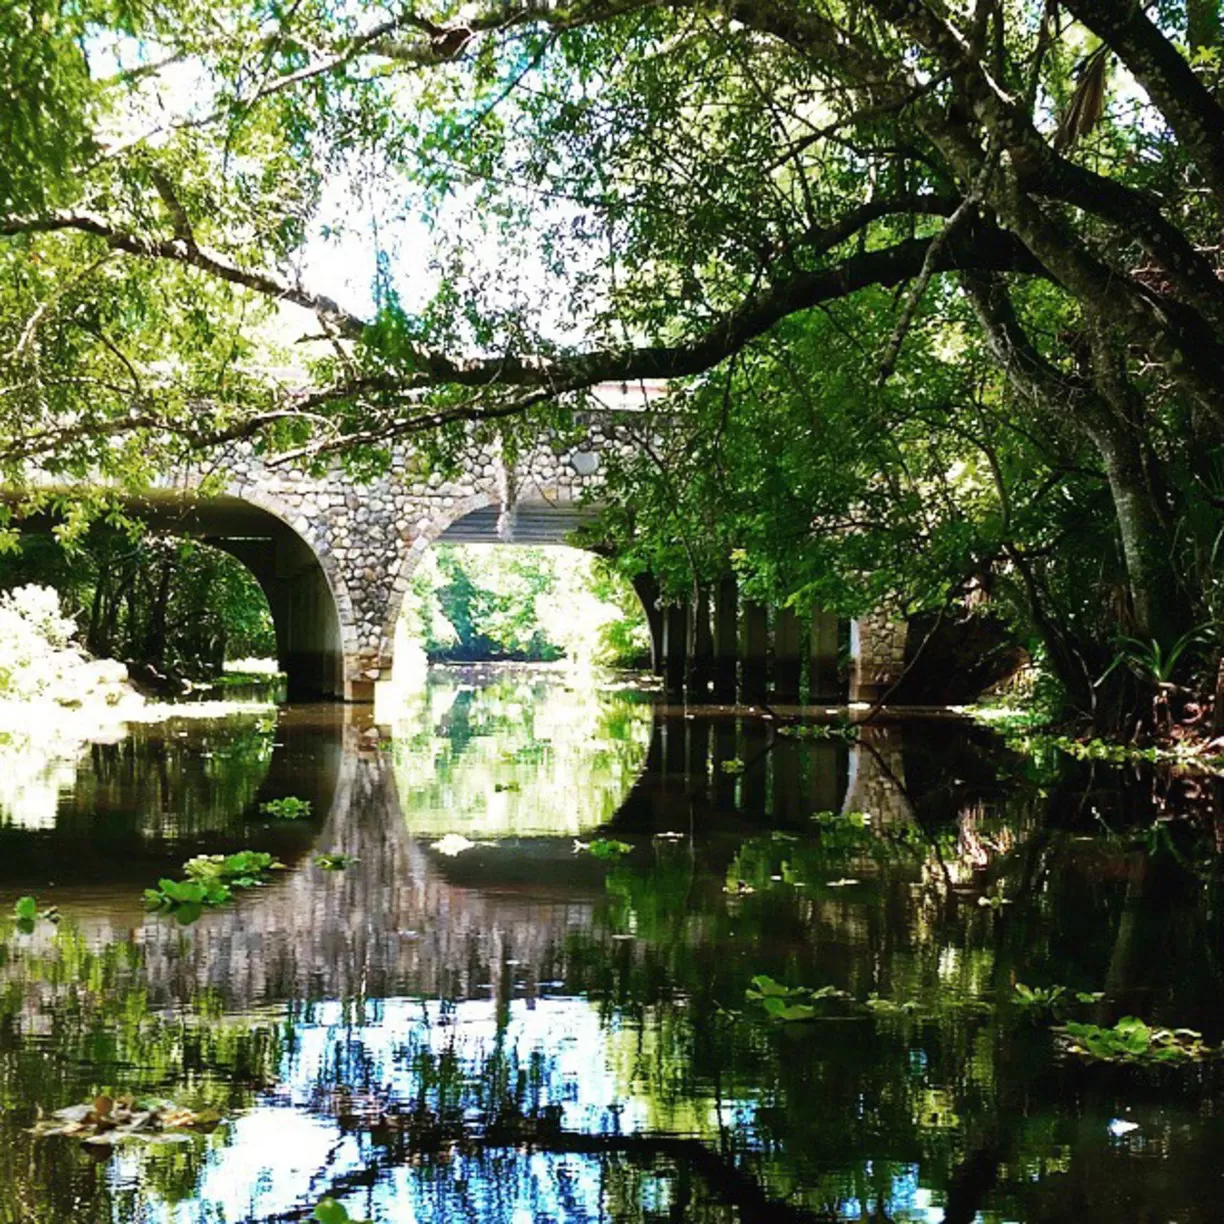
(604, 848)
(211, 880)
(1159, 664)
(852, 422)
(846, 732)
(329, 1211)
(475, 602)
(26, 914)
(1051, 1000)
(335, 862)
(290, 807)
(791, 1004)
(133, 594)
(1133, 1041)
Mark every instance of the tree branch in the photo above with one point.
(1196, 118)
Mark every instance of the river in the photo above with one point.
(518, 988)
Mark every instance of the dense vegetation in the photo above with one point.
(171, 603)
(482, 602)
(939, 284)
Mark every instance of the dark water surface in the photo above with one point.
(481, 1020)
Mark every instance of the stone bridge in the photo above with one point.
(335, 555)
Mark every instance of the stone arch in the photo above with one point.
(307, 596)
(290, 559)
(430, 530)
(427, 534)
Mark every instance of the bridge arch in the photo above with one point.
(536, 517)
(300, 576)
(304, 584)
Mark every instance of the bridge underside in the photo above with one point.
(531, 523)
(308, 633)
(309, 640)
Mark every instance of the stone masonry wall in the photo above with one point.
(369, 537)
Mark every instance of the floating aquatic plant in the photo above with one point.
(1131, 1040)
(211, 880)
(602, 847)
(288, 808)
(107, 1121)
(26, 914)
(331, 1212)
(790, 1003)
(334, 862)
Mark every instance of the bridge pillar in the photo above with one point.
(701, 666)
(877, 651)
(822, 658)
(726, 637)
(675, 646)
(788, 655)
(754, 650)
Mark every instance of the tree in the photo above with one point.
(666, 192)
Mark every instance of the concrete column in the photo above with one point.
(726, 641)
(701, 662)
(754, 650)
(675, 646)
(789, 642)
(823, 683)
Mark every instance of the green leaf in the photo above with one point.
(331, 1212)
(766, 986)
(25, 909)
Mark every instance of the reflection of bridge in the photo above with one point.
(335, 556)
(404, 919)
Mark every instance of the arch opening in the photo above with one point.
(540, 529)
(280, 599)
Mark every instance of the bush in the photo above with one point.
(40, 659)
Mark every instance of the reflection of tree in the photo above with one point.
(76, 1019)
(518, 757)
(156, 781)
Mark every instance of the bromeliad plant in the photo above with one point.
(211, 880)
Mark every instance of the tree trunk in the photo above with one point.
(155, 633)
(1158, 607)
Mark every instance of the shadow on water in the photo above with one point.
(481, 1018)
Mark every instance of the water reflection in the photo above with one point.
(526, 1032)
(494, 753)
